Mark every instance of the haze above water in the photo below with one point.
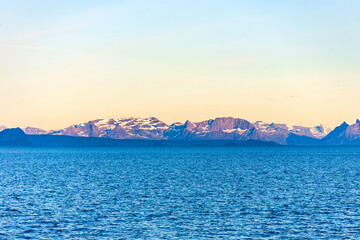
(179, 193)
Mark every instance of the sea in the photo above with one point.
(180, 193)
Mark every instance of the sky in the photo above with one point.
(65, 62)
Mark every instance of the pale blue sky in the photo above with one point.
(294, 62)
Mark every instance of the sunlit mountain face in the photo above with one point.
(224, 128)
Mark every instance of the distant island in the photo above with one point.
(225, 131)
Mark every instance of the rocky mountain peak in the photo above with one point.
(189, 125)
(353, 131)
(228, 123)
(344, 124)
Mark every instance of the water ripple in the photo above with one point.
(180, 193)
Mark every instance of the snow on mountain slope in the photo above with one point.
(124, 128)
(34, 131)
(223, 128)
(2, 127)
(273, 128)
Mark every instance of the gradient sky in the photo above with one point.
(65, 62)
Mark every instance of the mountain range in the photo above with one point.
(225, 128)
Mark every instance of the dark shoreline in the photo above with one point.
(56, 141)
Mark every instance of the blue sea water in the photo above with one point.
(180, 193)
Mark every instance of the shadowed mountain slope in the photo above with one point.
(344, 134)
(13, 137)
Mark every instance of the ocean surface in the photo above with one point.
(180, 193)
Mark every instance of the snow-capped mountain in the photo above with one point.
(273, 128)
(124, 128)
(34, 131)
(224, 128)
(153, 129)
